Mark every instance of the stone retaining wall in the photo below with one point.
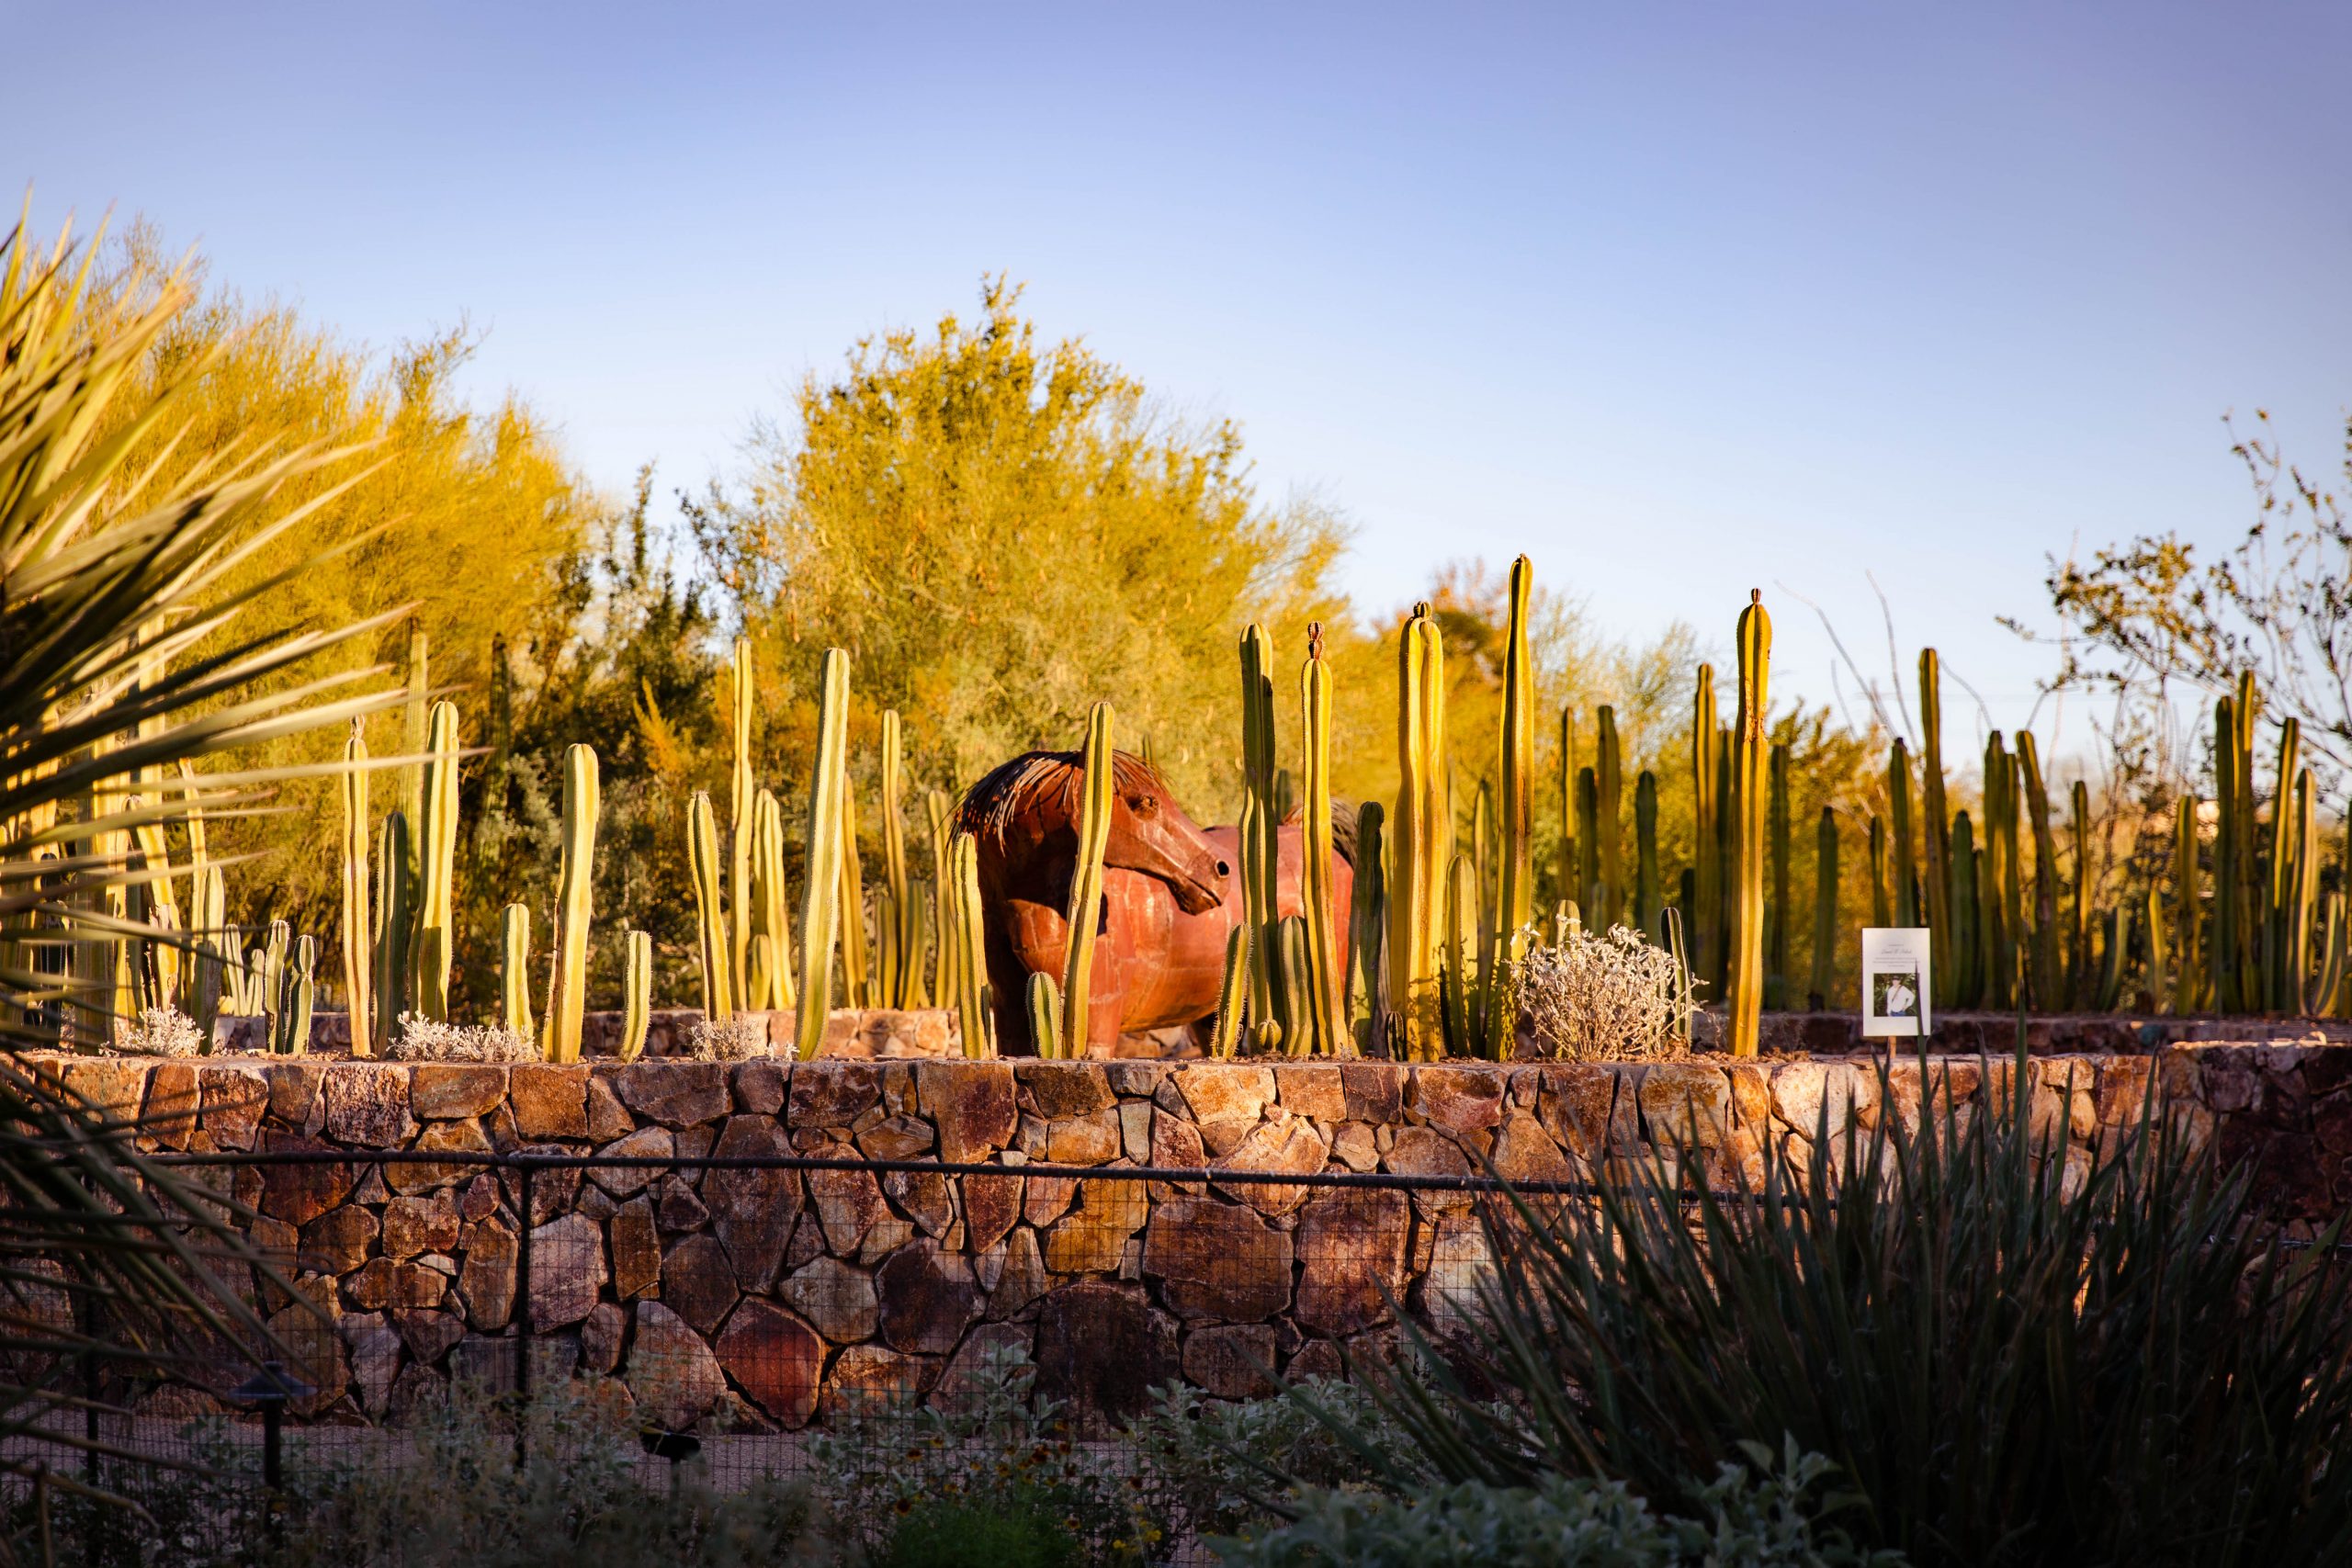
(765, 1297)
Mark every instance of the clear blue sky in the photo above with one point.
(1678, 298)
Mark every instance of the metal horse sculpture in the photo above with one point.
(1170, 892)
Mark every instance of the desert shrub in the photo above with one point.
(737, 1039)
(997, 1439)
(1591, 997)
(2016, 1356)
(1756, 1515)
(430, 1039)
(1017, 1532)
(1216, 1464)
(158, 1032)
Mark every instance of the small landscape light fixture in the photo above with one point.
(269, 1391)
(675, 1446)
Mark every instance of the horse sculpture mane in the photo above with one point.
(1003, 798)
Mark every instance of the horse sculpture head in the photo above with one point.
(1025, 813)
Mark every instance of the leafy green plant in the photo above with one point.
(1016, 1532)
(2016, 1354)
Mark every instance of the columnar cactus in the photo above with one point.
(2044, 966)
(2159, 967)
(2188, 956)
(395, 923)
(637, 993)
(1325, 1008)
(742, 804)
(939, 808)
(1261, 821)
(1780, 917)
(436, 909)
(710, 917)
(1567, 872)
(973, 1000)
(1608, 783)
(1422, 830)
(515, 969)
(769, 907)
(1996, 884)
(301, 987)
(2082, 979)
(857, 975)
(2302, 899)
(1515, 892)
(2282, 972)
(274, 988)
(1943, 965)
(896, 980)
(1099, 789)
(1646, 886)
(1706, 923)
(1905, 870)
(1589, 895)
(1881, 912)
(1046, 1016)
(216, 952)
(1748, 803)
(418, 677)
(820, 911)
(1368, 924)
(355, 956)
(1459, 988)
(1967, 944)
(1824, 908)
(1232, 994)
(2226, 956)
(574, 904)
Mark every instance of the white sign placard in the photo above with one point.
(1895, 981)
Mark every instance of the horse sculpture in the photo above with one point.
(1170, 892)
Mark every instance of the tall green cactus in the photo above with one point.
(820, 911)
(356, 955)
(1045, 1018)
(1592, 894)
(897, 980)
(1824, 908)
(1646, 888)
(2082, 979)
(857, 977)
(1780, 917)
(939, 809)
(2302, 900)
(1297, 1026)
(2187, 955)
(515, 969)
(1748, 803)
(637, 993)
(1324, 1004)
(437, 907)
(1516, 889)
(1261, 820)
(418, 679)
(1368, 925)
(2159, 970)
(710, 916)
(2283, 974)
(1905, 870)
(1099, 790)
(2044, 965)
(215, 951)
(302, 987)
(1422, 829)
(1967, 942)
(2225, 953)
(1568, 765)
(1935, 839)
(973, 1001)
(574, 904)
(274, 986)
(741, 823)
(1996, 887)
(1608, 781)
(395, 924)
(1232, 995)
(1706, 934)
(1881, 911)
(770, 903)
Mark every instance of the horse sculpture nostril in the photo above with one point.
(1223, 869)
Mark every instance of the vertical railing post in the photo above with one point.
(523, 1312)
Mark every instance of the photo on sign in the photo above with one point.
(1895, 981)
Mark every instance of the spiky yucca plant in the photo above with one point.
(120, 657)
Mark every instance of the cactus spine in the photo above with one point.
(1422, 827)
(637, 993)
(514, 970)
(1083, 915)
(437, 909)
(1325, 1001)
(1776, 938)
(972, 998)
(1232, 994)
(1748, 803)
(1046, 1016)
(1261, 822)
(1368, 925)
(771, 918)
(574, 904)
(1646, 888)
(1706, 805)
(1943, 968)
(821, 912)
(356, 956)
(1608, 781)
(742, 808)
(393, 924)
(1824, 910)
(1515, 890)
(710, 920)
